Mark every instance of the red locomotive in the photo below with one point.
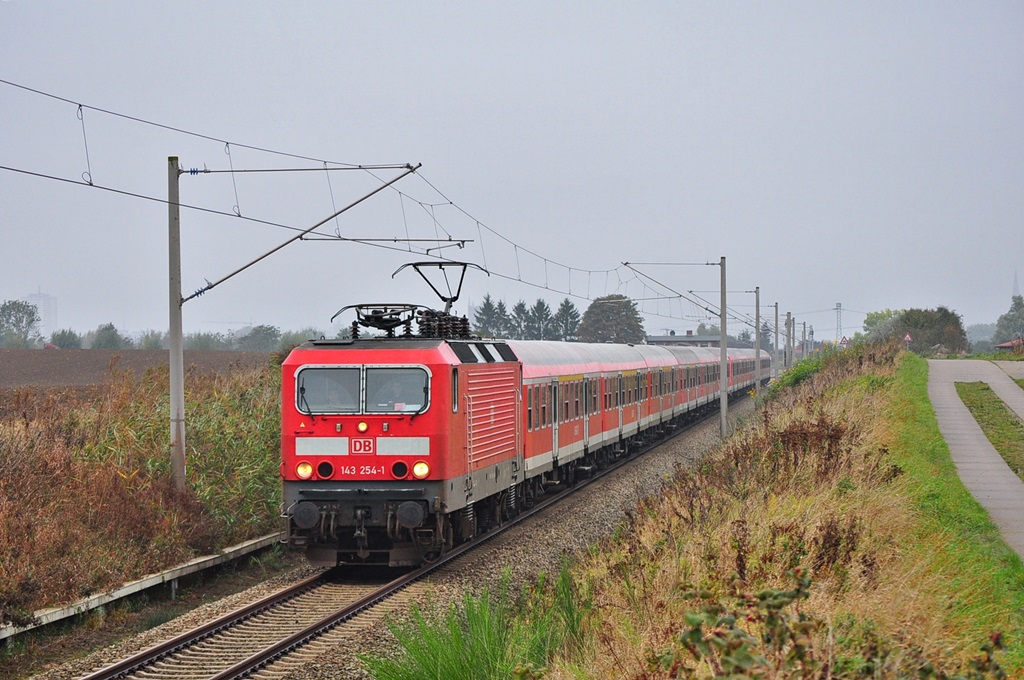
(396, 448)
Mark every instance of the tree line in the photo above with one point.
(612, 318)
(19, 329)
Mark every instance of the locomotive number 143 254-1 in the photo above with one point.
(361, 469)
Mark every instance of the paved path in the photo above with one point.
(983, 471)
(1014, 369)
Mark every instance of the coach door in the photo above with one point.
(586, 413)
(619, 399)
(553, 413)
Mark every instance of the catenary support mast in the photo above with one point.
(177, 362)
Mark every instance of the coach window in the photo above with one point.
(401, 390)
(535, 401)
(327, 390)
(538, 406)
(529, 408)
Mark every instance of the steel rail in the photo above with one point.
(302, 637)
(288, 645)
(150, 656)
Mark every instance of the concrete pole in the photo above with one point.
(789, 339)
(177, 361)
(723, 379)
(757, 340)
(775, 356)
(803, 342)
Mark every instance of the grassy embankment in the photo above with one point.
(832, 538)
(86, 498)
(1001, 426)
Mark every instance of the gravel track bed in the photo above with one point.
(523, 553)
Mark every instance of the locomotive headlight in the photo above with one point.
(304, 470)
(363, 426)
(420, 470)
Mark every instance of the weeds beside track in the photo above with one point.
(831, 539)
(86, 499)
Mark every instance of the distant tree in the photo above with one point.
(1010, 326)
(66, 339)
(19, 323)
(519, 321)
(713, 329)
(260, 339)
(208, 341)
(931, 331)
(108, 337)
(152, 340)
(874, 320)
(485, 318)
(746, 336)
(539, 325)
(566, 321)
(978, 332)
(292, 339)
(767, 343)
(983, 347)
(502, 321)
(612, 318)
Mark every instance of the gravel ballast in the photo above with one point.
(522, 553)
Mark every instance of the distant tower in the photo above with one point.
(46, 305)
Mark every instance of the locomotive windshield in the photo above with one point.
(328, 390)
(396, 389)
(334, 389)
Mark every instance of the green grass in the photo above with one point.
(982, 563)
(1002, 427)
(490, 636)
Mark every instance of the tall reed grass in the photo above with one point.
(86, 498)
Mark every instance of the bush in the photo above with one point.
(66, 339)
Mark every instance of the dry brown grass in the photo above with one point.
(809, 489)
(86, 500)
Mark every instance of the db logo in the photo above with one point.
(362, 446)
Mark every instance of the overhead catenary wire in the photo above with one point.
(410, 170)
(429, 207)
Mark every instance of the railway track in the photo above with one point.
(272, 636)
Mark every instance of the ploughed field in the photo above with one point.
(81, 373)
(88, 367)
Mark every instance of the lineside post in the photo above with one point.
(177, 379)
(723, 378)
(757, 340)
(775, 356)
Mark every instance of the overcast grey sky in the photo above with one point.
(865, 153)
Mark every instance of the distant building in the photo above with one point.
(1012, 345)
(46, 305)
(691, 340)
